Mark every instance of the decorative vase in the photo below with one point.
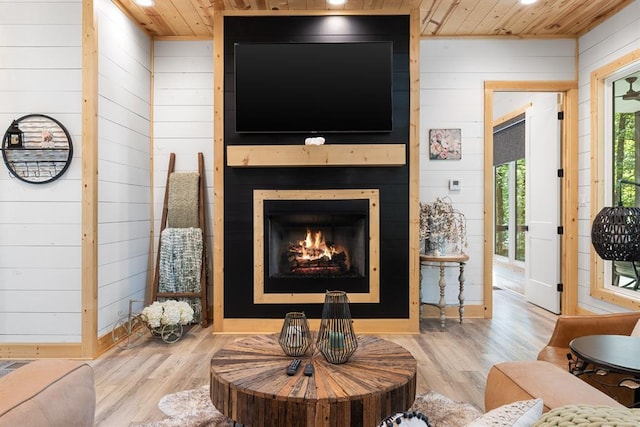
(336, 339)
(436, 245)
(295, 336)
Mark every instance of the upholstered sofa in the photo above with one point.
(48, 393)
(509, 382)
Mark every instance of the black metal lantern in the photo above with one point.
(14, 136)
(336, 338)
(295, 336)
(615, 232)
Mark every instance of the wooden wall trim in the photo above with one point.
(218, 171)
(570, 164)
(43, 351)
(312, 155)
(414, 171)
(89, 180)
(487, 227)
(152, 231)
(360, 326)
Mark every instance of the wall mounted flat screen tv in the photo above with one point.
(313, 87)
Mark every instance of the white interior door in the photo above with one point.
(542, 241)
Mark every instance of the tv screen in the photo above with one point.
(313, 87)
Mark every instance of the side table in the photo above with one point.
(611, 361)
(441, 262)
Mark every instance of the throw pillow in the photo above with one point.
(407, 419)
(589, 415)
(517, 414)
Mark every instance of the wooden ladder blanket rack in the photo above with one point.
(202, 295)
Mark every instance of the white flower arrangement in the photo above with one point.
(170, 312)
(440, 223)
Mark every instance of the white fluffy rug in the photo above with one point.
(193, 408)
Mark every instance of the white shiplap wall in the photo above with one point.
(124, 164)
(452, 76)
(183, 118)
(40, 224)
(601, 46)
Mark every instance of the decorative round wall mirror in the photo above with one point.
(37, 149)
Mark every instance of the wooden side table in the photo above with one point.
(249, 384)
(441, 262)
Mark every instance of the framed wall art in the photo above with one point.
(445, 144)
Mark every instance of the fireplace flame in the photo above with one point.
(314, 246)
(315, 255)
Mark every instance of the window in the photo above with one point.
(615, 152)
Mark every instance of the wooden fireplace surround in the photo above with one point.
(259, 196)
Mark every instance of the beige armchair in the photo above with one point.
(569, 327)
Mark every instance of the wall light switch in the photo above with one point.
(454, 185)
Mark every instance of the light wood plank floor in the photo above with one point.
(454, 362)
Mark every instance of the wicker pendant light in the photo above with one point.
(615, 232)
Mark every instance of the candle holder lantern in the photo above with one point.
(295, 336)
(336, 339)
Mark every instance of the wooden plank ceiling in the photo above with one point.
(440, 18)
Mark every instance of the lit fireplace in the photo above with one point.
(310, 245)
(314, 255)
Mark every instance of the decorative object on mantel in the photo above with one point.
(295, 336)
(445, 144)
(318, 140)
(166, 319)
(336, 339)
(37, 149)
(442, 228)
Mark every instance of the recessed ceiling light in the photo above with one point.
(145, 3)
(336, 2)
(528, 1)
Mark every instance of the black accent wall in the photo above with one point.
(392, 182)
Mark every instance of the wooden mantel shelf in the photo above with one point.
(316, 155)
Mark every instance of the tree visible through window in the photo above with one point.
(521, 168)
(510, 200)
(501, 225)
(626, 155)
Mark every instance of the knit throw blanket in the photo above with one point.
(182, 207)
(180, 260)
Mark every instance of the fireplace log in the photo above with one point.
(337, 263)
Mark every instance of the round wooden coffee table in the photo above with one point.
(249, 384)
